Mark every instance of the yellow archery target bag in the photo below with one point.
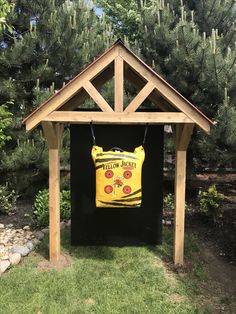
(118, 177)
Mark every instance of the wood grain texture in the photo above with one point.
(97, 97)
(53, 133)
(139, 99)
(64, 95)
(118, 118)
(154, 97)
(119, 84)
(173, 98)
(183, 136)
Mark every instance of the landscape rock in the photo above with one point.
(4, 266)
(21, 249)
(9, 226)
(62, 225)
(35, 241)
(68, 223)
(39, 235)
(30, 245)
(45, 230)
(2, 249)
(15, 258)
(5, 257)
(2, 226)
(26, 228)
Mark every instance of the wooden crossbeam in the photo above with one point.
(183, 135)
(97, 97)
(139, 99)
(119, 84)
(118, 118)
(53, 133)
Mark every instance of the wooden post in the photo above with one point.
(119, 84)
(183, 135)
(53, 133)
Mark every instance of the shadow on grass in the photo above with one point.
(79, 252)
(163, 251)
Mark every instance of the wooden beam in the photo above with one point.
(139, 99)
(82, 95)
(97, 97)
(183, 135)
(53, 133)
(76, 101)
(118, 118)
(166, 91)
(119, 84)
(104, 76)
(154, 97)
(65, 94)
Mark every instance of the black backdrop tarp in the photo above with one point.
(101, 226)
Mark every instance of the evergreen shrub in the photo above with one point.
(41, 207)
(7, 200)
(210, 203)
(168, 202)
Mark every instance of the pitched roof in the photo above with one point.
(165, 89)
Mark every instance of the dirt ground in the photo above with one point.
(218, 292)
(223, 235)
(218, 247)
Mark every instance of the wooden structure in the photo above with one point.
(119, 63)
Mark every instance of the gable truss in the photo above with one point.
(117, 62)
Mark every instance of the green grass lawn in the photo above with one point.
(102, 280)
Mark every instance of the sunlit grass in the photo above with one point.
(100, 280)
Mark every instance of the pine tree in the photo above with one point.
(51, 42)
(5, 115)
(5, 9)
(193, 49)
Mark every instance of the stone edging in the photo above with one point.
(16, 243)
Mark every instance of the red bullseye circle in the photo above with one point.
(127, 174)
(108, 189)
(109, 174)
(127, 189)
